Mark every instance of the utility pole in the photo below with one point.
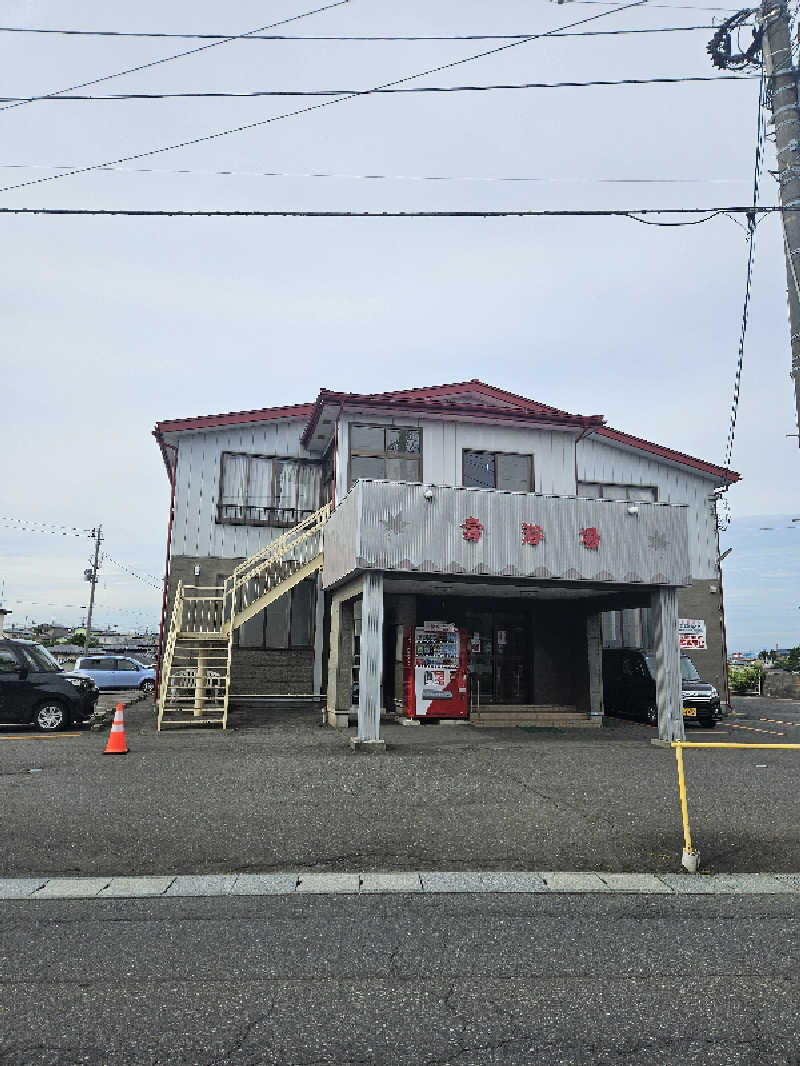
(780, 69)
(772, 46)
(91, 577)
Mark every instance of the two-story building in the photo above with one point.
(308, 537)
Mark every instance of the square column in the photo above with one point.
(370, 671)
(340, 659)
(594, 647)
(669, 695)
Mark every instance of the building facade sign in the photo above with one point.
(692, 633)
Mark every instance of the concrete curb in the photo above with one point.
(401, 882)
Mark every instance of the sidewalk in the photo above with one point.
(396, 883)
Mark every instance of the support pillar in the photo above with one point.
(371, 665)
(669, 696)
(594, 646)
(319, 632)
(340, 661)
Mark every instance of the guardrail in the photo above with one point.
(691, 856)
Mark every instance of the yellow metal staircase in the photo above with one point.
(196, 665)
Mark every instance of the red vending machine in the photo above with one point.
(435, 671)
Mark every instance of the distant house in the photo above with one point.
(541, 533)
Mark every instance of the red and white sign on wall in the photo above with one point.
(692, 633)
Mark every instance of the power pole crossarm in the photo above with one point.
(781, 71)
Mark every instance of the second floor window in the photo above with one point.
(596, 490)
(498, 470)
(267, 490)
(390, 453)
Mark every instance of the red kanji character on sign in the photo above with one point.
(590, 538)
(532, 534)
(472, 529)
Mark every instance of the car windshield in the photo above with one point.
(39, 659)
(689, 670)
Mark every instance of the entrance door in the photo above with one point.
(498, 657)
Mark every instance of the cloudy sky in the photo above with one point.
(110, 324)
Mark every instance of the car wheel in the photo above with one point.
(708, 723)
(148, 687)
(651, 715)
(51, 716)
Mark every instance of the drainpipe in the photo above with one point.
(173, 478)
(583, 433)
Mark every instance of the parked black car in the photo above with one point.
(629, 688)
(34, 690)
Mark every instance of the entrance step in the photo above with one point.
(542, 715)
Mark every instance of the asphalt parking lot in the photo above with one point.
(279, 792)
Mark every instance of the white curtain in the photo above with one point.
(234, 482)
(287, 489)
(310, 478)
(260, 491)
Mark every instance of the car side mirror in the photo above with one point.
(23, 673)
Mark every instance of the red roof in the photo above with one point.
(721, 472)
(474, 398)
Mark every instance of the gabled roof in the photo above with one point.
(472, 397)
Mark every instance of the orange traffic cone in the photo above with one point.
(117, 745)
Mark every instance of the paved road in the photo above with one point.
(461, 980)
(280, 793)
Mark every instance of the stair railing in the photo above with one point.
(169, 650)
(249, 580)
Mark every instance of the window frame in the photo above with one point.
(490, 451)
(609, 484)
(273, 518)
(370, 453)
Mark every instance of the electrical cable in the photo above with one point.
(379, 177)
(25, 525)
(180, 55)
(761, 124)
(258, 93)
(317, 107)
(709, 212)
(148, 579)
(254, 36)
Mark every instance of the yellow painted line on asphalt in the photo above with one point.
(38, 736)
(754, 729)
(776, 721)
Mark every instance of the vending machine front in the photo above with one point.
(435, 671)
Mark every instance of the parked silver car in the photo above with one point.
(115, 672)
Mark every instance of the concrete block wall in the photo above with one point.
(699, 601)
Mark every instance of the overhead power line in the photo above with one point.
(636, 214)
(26, 525)
(311, 38)
(257, 93)
(147, 579)
(180, 55)
(317, 107)
(522, 178)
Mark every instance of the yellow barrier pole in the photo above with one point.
(691, 858)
